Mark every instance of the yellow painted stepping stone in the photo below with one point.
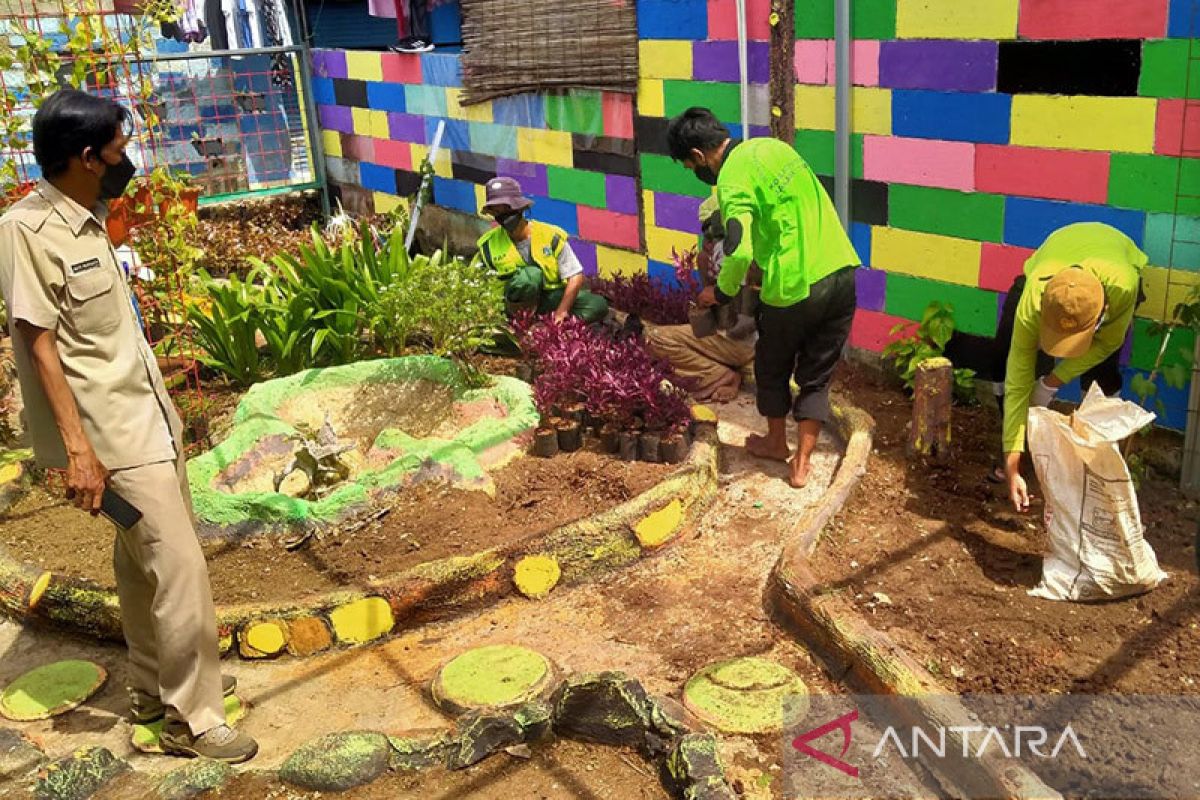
(51, 690)
(146, 737)
(657, 529)
(535, 576)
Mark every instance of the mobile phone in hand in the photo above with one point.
(119, 510)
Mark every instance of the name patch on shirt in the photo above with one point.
(84, 266)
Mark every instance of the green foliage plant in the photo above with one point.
(914, 342)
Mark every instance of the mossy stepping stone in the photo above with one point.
(338, 761)
(51, 690)
(146, 737)
(491, 677)
(743, 695)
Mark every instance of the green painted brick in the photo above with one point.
(869, 19)
(1165, 69)
(1173, 241)
(1146, 346)
(975, 310)
(577, 111)
(817, 147)
(1151, 183)
(966, 215)
(856, 154)
(661, 174)
(576, 186)
(724, 99)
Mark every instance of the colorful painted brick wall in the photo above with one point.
(978, 128)
(574, 152)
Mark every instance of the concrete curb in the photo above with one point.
(583, 549)
(875, 663)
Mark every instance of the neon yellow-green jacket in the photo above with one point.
(787, 222)
(546, 243)
(1106, 253)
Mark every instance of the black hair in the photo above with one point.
(694, 129)
(69, 122)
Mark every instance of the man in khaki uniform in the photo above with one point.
(96, 406)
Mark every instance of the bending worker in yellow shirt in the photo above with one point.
(1074, 302)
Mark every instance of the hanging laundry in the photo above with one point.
(214, 19)
(278, 34)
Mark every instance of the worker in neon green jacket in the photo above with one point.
(777, 214)
(534, 259)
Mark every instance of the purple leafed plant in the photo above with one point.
(652, 299)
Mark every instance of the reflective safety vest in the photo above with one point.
(546, 243)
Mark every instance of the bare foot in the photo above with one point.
(727, 389)
(799, 474)
(762, 447)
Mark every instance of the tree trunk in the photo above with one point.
(933, 394)
(21, 587)
(783, 71)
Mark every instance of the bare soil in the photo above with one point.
(428, 522)
(935, 557)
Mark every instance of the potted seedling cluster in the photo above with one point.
(587, 384)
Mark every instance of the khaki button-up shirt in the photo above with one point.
(58, 271)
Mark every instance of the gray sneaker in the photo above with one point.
(221, 743)
(145, 708)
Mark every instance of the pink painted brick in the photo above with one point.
(609, 227)
(1035, 172)
(919, 162)
(1170, 136)
(871, 329)
(618, 115)
(358, 148)
(397, 155)
(813, 60)
(401, 68)
(865, 63)
(1000, 265)
(1093, 19)
(722, 19)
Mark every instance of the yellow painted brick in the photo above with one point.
(1122, 124)
(545, 147)
(362, 121)
(441, 166)
(956, 19)
(648, 208)
(926, 255)
(871, 109)
(1165, 289)
(665, 58)
(660, 241)
(650, 99)
(610, 262)
(379, 125)
(332, 142)
(480, 112)
(387, 203)
(480, 195)
(363, 66)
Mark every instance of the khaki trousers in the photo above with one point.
(704, 360)
(167, 610)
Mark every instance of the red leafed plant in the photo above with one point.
(652, 299)
(617, 380)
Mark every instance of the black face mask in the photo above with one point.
(511, 221)
(116, 178)
(705, 174)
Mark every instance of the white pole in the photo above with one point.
(416, 212)
(743, 70)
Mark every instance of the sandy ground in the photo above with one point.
(698, 602)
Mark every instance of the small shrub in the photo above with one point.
(917, 342)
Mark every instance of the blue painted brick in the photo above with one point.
(377, 178)
(663, 272)
(860, 237)
(322, 91)
(441, 69)
(457, 135)
(1184, 22)
(521, 111)
(556, 212)
(958, 116)
(455, 194)
(386, 97)
(1027, 222)
(672, 19)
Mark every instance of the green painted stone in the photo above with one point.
(604, 707)
(420, 749)
(51, 689)
(967, 215)
(695, 769)
(79, 775)
(491, 677)
(481, 735)
(743, 695)
(338, 761)
(18, 755)
(194, 778)
(975, 310)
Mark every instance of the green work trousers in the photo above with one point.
(526, 289)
